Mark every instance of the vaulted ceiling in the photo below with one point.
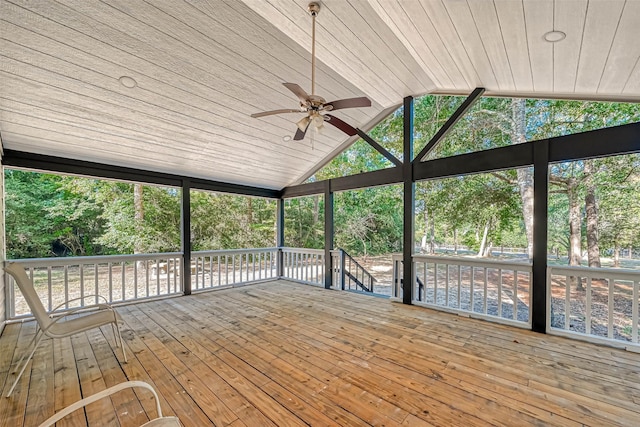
(200, 68)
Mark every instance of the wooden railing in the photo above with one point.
(495, 290)
(303, 265)
(211, 269)
(126, 278)
(594, 304)
(117, 278)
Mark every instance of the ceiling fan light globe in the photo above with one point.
(303, 123)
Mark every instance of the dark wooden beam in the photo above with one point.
(367, 179)
(509, 157)
(409, 203)
(300, 190)
(611, 141)
(372, 142)
(46, 163)
(540, 225)
(444, 130)
(185, 233)
(328, 234)
(352, 182)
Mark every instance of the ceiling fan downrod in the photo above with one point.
(314, 9)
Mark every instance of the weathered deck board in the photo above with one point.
(285, 354)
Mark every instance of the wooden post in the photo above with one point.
(328, 234)
(540, 218)
(185, 228)
(409, 202)
(280, 236)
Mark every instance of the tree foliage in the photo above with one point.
(49, 215)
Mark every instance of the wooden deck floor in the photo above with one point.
(281, 354)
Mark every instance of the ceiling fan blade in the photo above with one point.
(270, 113)
(298, 91)
(344, 127)
(350, 103)
(299, 136)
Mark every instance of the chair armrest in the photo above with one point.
(102, 394)
(56, 319)
(81, 298)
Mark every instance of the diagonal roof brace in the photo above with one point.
(372, 142)
(444, 130)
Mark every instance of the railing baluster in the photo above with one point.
(135, 280)
(446, 289)
(146, 275)
(435, 283)
(515, 294)
(610, 304)
(499, 292)
(634, 315)
(157, 262)
(459, 284)
(95, 279)
(66, 287)
(122, 267)
(484, 300)
(49, 289)
(567, 303)
(587, 319)
(471, 308)
(110, 266)
(81, 267)
(226, 270)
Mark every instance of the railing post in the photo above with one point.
(342, 266)
(280, 237)
(185, 227)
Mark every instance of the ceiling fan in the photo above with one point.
(315, 107)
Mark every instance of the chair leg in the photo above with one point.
(119, 337)
(26, 362)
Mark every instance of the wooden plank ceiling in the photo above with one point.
(202, 67)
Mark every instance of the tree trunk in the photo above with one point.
(575, 233)
(316, 209)
(425, 237)
(249, 211)
(591, 207)
(616, 256)
(138, 206)
(484, 239)
(525, 175)
(455, 241)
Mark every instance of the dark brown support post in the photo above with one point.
(409, 202)
(280, 235)
(328, 234)
(540, 218)
(185, 228)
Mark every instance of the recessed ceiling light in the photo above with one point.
(128, 82)
(286, 138)
(554, 36)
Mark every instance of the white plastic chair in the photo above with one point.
(158, 422)
(54, 327)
